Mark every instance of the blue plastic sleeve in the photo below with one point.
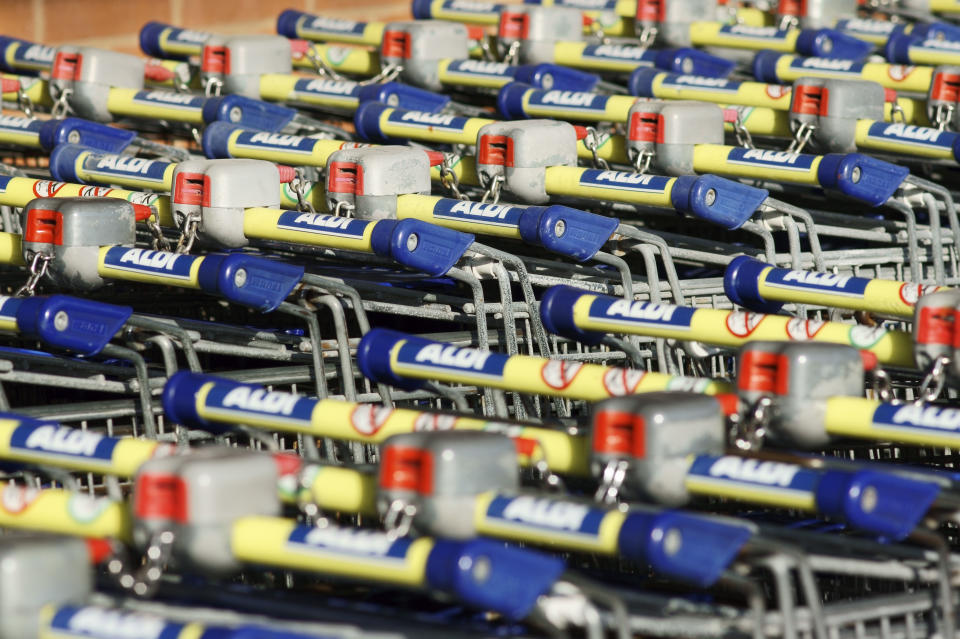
(764, 66)
(421, 9)
(5, 43)
(216, 139)
(150, 39)
(252, 113)
(89, 325)
(641, 80)
(830, 43)
(883, 504)
(556, 311)
(897, 48)
(876, 180)
(404, 96)
(373, 357)
(718, 200)
(510, 100)
(514, 578)
(287, 22)
(63, 162)
(420, 245)
(553, 76)
(741, 284)
(567, 231)
(367, 121)
(179, 397)
(707, 546)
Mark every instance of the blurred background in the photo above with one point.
(114, 24)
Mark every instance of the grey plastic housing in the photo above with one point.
(234, 185)
(429, 42)
(682, 125)
(846, 102)
(536, 144)
(250, 57)
(387, 172)
(674, 28)
(86, 224)
(815, 372)
(99, 71)
(35, 571)
(464, 464)
(221, 485)
(928, 307)
(546, 25)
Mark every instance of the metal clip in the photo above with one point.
(942, 114)
(492, 190)
(212, 87)
(611, 481)
(748, 432)
(932, 385)
(38, 268)
(398, 520)
(448, 178)
(592, 142)
(188, 233)
(61, 106)
(299, 188)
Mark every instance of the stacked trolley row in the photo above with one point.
(561, 318)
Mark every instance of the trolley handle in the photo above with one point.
(420, 245)
(861, 177)
(556, 77)
(690, 61)
(718, 200)
(153, 36)
(404, 96)
(92, 135)
(247, 112)
(255, 282)
(556, 311)
(69, 323)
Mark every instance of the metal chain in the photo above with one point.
(646, 36)
(344, 206)
(932, 385)
(801, 137)
(398, 520)
(188, 233)
(744, 138)
(749, 432)
(387, 74)
(897, 110)
(612, 479)
(299, 188)
(641, 163)
(448, 178)
(882, 386)
(320, 65)
(61, 106)
(212, 87)
(942, 114)
(24, 103)
(144, 581)
(510, 57)
(492, 191)
(160, 243)
(38, 268)
(592, 142)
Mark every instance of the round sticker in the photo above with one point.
(15, 498)
(622, 381)
(559, 374)
(85, 508)
(94, 191)
(368, 419)
(911, 293)
(143, 198)
(741, 324)
(336, 55)
(46, 188)
(777, 91)
(802, 330)
(434, 422)
(866, 336)
(899, 72)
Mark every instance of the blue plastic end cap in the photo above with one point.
(549, 76)
(367, 122)
(861, 177)
(150, 39)
(764, 66)
(264, 284)
(216, 109)
(510, 100)
(426, 247)
(403, 96)
(89, 325)
(881, 503)
(690, 61)
(422, 9)
(641, 82)
(572, 232)
(707, 546)
(556, 312)
(63, 162)
(373, 357)
(830, 43)
(179, 397)
(287, 22)
(937, 30)
(6, 41)
(897, 48)
(718, 200)
(216, 139)
(515, 578)
(740, 283)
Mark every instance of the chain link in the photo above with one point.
(398, 520)
(188, 234)
(942, 114)
(492, 191)
(38, 268)
(344, 206)
(24, 103)
(160, 243)
(299, 188)
(932, 385)
(802, 136)
(592, 142)
(448, 178)
(744, 138)
(61, 106)
(320, 65)
(611, 481)
(641, 163)
(749, 432)
(212, 87)
(510, 57)
(144, 581)
(387, 74)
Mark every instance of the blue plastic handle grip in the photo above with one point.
(251, 281)
(707, 549)
(690, 61)
(715, 199)
(881, 503)
(514, 577)
(830, 43)
(70, 323)
(556, 311)
(247, 112)
(861, 177)
(366, 120)
(555, 77)
(216, 139)
(180, 404)
(420, 245)
(404, 96)
(571, 232)
(151, 45)
(373, 357)
(94, 135)
(5, 43)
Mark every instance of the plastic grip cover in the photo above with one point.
(716, 199)
(73, 324)
(571, 232)
(420, 245)
(255, 282)
(247, 112)
(556, 311)
(861, 177)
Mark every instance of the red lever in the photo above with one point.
(142, 212)
(581, 131)
(436, 157)
(763, 372)
(299, 48)
(216, 60)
